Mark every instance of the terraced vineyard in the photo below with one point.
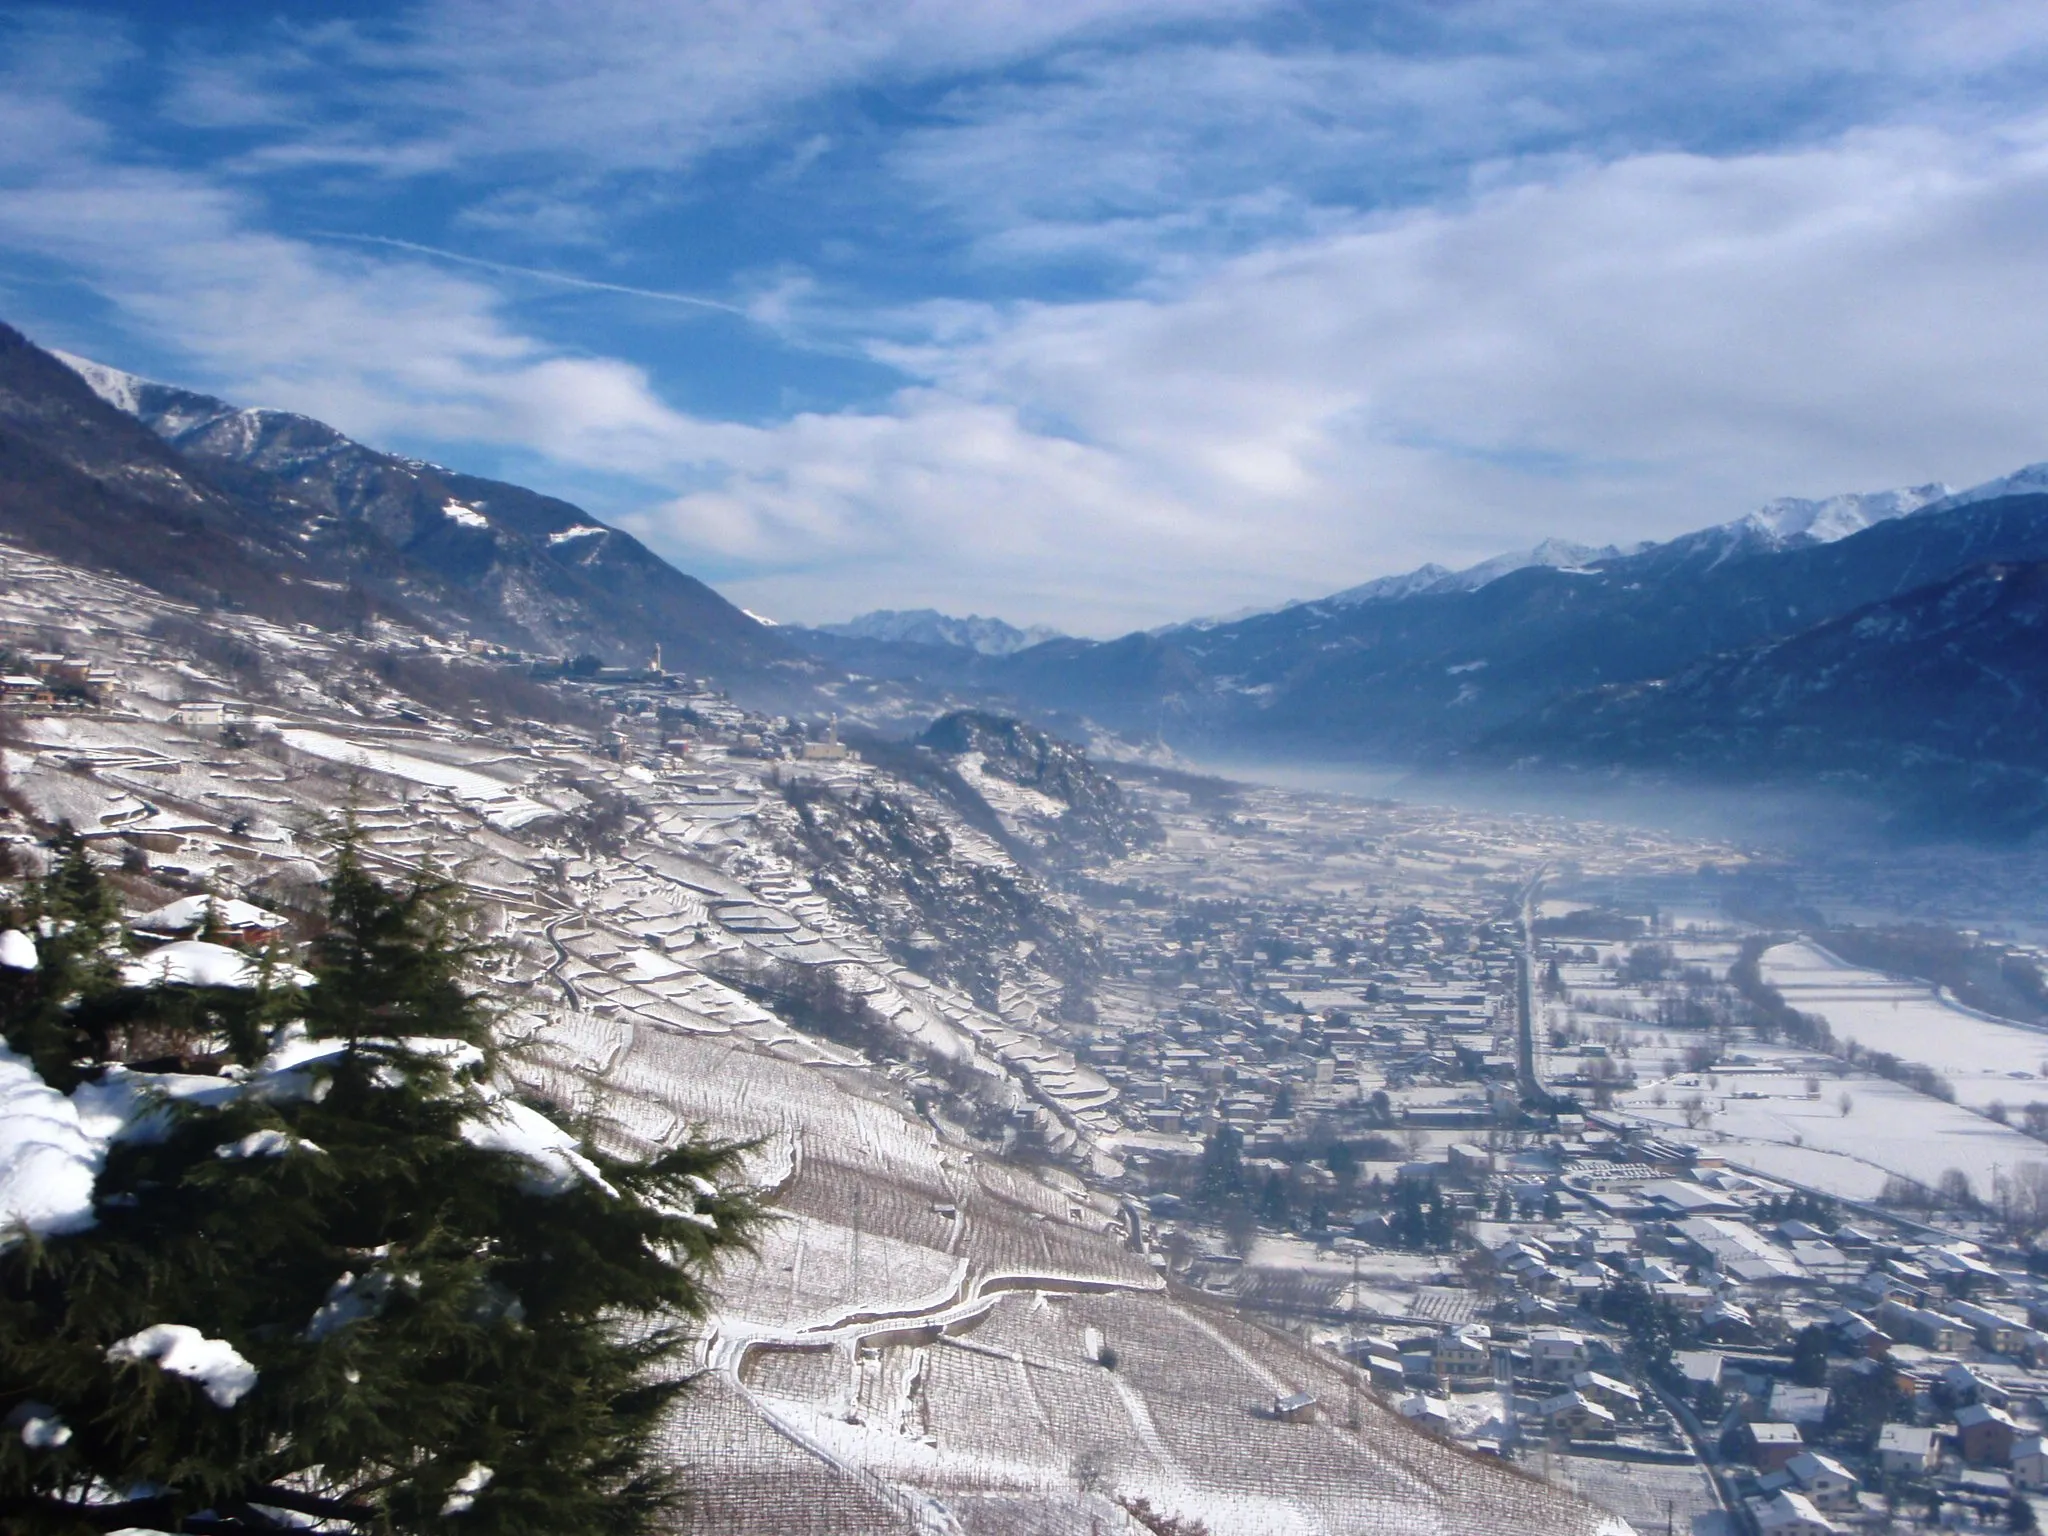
(916, 1343)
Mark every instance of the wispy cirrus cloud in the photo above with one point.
(612, 84)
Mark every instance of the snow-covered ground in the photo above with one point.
(1988, 1060)
(1767, 1122)
(503, 807)
(952, 1291)
(1650, 1497)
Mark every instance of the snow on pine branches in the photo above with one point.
(274, 1249)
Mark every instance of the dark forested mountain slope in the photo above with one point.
(1412, 677)
(1935, 702)
(84, 483)
(285, 493)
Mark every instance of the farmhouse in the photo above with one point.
(1825, 1481)
(1792, 1514)
(1465, 1352)
(2030, 1463)
(1557, 1354)
(1577, 1415)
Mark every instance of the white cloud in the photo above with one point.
(380, 345)
(619, 84)
(1595, 346)
(1630, 350)
(1204, 143)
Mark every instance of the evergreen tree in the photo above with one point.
(73, 1013)
(1274, 1208)
(350, 1282)
(1810, 1357)
(1442, 1222)
(1414, 1222)
(55, 1012)
(1222, 1177)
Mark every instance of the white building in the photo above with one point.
(1557, 1354)
(2030, 1462)
(1825, 1481)
(1792, 1514)
(1605, 1390)
(1577, 1415)
(1798, 1405)
(1430, 1412)
(1466, 1351)
(1908, 1449)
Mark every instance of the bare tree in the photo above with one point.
(2022, 1198)
(1696, 1112)
(1089, 1466)
(1845, 1103)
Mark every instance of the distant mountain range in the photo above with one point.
(1729, 655)
(282, 515)
(1791, 522)
(927, 626)
(1930, 702)
(1887, 644)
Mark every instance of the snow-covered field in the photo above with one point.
(1648, 1496)
(499, 804)
(1769, 1124)
(1988, 1060)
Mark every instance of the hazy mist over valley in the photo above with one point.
(1088, 769)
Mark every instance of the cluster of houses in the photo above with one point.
(50, 679)
(1273, 1018)
(1956, 1340)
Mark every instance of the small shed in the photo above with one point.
(1295, 1407)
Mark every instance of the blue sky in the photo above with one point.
(1076, 311)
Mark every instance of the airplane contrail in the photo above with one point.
(565, 279)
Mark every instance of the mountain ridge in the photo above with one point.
(1934, 701)
(1422, 679)
(498, 561)
(927, 626)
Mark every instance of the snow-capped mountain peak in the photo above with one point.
(1422, 579)
(926, 626)
(1558, 554)
(123, 391)
(1795, 520)
(2029, 481)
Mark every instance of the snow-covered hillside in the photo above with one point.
(905, 1350)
